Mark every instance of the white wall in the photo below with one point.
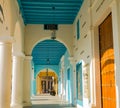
(82, 47)
(91, 14)
(12, 25)
(36, 33)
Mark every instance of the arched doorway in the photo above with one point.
(47, 55)
(47, 82)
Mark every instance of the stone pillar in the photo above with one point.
(56, 86)
(27, 81)
(38, 85)
(53, 84)
(17, 81)
(5, 71)
(46, 85)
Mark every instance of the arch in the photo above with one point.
(43, 39)
(49, 70)
(46, 84)
(44, 69)
(36, 33)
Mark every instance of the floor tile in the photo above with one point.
(47, 101)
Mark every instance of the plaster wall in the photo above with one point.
(36, 33)
(91, 15)
(12, 24)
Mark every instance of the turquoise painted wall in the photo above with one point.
(67, 65)
(34, 87)
(56, 68)
(59, 80)
(33, 81)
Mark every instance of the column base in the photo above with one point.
(27, 104)
(17, 106)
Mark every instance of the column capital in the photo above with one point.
(62, 58)
(18, 54)
(6, 39)
(17, 57)
(72, 61)
(28, 57)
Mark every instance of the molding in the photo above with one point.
(6, 39)
(62, 59)
(27, 104)
(16, 105)
(71, 59)
(18, 54)
(28, 57)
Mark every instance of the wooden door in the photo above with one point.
(107, 73)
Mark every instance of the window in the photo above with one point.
(79, 83)
(78, 30)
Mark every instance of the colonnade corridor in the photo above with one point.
(48, 101)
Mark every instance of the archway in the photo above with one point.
(47, 82)
(47, 55)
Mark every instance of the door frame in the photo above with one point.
(96, 53)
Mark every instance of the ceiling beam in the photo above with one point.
(47, 7)
(44, 14)
(42, 17)
(48, 22)
(72, 4)
(52, 0)
(51, 11)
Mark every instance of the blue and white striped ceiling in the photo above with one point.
(48, 52)
(49, 11)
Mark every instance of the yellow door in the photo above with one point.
(107, 73)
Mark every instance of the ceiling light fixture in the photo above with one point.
(53, 34)
(48, 63)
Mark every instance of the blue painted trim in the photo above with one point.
(80, 102)
(39, 22)
(69, 84)
(76, 3)
(78, 29)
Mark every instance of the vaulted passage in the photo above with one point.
(59, 54)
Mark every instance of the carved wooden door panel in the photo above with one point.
(108, 91)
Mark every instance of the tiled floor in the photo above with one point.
(47, 101)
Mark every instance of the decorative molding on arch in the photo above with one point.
(43, 39)
(44, 69)
(35, 34)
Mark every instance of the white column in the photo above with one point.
(5, 71)
(17, 81)
(27, 81)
